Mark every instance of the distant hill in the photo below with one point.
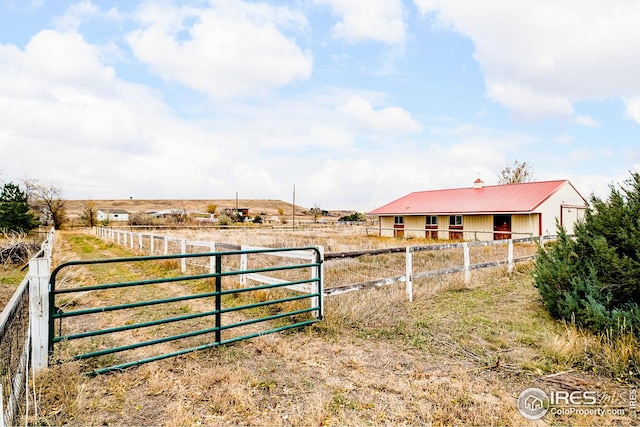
(263, 207)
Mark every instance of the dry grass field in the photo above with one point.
(460, 354)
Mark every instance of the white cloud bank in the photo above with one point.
(388, 119)
(540, 58)
(227, 50)
(378, 20)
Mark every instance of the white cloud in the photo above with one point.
(232, 49)
(102, 137)
(633, 108)
(587, 121)
(528, 102)
(75, 15)
(63, 58)
(377, 20)
(551, 53)
(388, 119)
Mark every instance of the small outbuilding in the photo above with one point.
(482, 212)
(112, 215)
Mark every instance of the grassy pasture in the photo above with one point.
(459, 354)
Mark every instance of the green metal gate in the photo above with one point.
(275, 306)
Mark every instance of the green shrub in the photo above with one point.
(15, 214)
(354, 217)
(593, 278)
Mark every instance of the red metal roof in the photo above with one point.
(508, 198)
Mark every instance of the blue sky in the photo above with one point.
(354, 102)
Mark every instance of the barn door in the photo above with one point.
(501, 227)
(398, 226)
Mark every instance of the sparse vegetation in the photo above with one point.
(89, 213)
(459, 354)
(354, 217)
(139, 218)
(47, 200)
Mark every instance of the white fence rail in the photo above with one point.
(146, 241)
(164, 245)
(410, 275)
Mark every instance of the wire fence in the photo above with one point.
(15, 347)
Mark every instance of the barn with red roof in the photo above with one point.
(484, 212)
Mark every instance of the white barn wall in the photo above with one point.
(473, 223)
(443, 223)
(414, 226)
(528, 224)
(386, 223)
(551, 209)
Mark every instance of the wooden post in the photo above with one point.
(467, 263)
(510, 257)
(39, 310)
(409, 272)
(183, 260)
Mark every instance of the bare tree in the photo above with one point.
(516, 173)
(48, 202)
(316, 212)
(89, 213)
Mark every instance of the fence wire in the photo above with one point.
(14, 333)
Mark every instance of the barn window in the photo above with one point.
(432, 220)
(398, 220)
(455, 220)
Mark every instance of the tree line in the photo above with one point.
(27, 206)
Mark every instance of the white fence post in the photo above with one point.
(409, 272)
(510, 257)
(166, 245)
(140, 241)
(467, 263)
(131, 239)
(152, 240)
(183, 260)
(39, 310)
(243, 266)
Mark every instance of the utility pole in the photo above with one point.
(237, 211)
(293, 226)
